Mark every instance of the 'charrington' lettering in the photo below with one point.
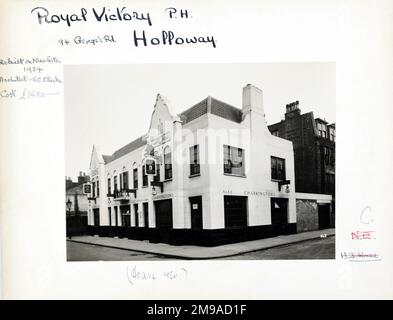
(169, 38)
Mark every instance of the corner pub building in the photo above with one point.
(221, 177)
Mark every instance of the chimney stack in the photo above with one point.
(292, 109)
(252, 99)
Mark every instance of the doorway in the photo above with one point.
(116, 216)
(196, 212)
(136, 215)
(125, 216)
(279, 214)
(323, 216)
(96, 213)
(235, 211)
(146, 214)
(163, 210)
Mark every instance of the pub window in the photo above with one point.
(278, 168)
(135, 177)
(233, 160)
(115, 183)
(98, 188)
(194, 160)
(157, 177)
(125, 180)
(167, 163)
(145, 180)
(109, 186)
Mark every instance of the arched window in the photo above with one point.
(135, 175)
(168, 163)
(115, 185)
(124, 179)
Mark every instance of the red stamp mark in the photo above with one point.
(363, 235)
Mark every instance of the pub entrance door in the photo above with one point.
(279, 215)
(196, 212)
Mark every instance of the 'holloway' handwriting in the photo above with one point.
(169, 38)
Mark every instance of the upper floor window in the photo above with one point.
(125, 180)
(135, 177)
(98, 188)
(145, 180)
(233, 160)
(275, 133)
(157, 177)
(332, 134)
(322, 129)
(194, 160)
(277, 168)
(94, 189)
(109, 186)
(167, 163)
(328, 154)
(115, 183)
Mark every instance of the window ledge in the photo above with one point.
(235, 175)
(167, 180)
(194, 175)
(278, 180)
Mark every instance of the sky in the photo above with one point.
(111, 105)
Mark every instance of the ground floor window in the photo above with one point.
(110, 216)
(235, 211)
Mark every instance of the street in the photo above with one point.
(311, 249)
(88, 252)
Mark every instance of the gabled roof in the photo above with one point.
(207, 105)
(107, 159)
(126, 149)
(213, 106)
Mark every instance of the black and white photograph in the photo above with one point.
(200, 161)
(202, 151)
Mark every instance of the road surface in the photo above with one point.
(310, 249)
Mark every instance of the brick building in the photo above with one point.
(314, 151)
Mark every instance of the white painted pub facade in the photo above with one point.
(220, 176)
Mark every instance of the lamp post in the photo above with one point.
(69, 204)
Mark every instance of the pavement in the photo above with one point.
(197, 252)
